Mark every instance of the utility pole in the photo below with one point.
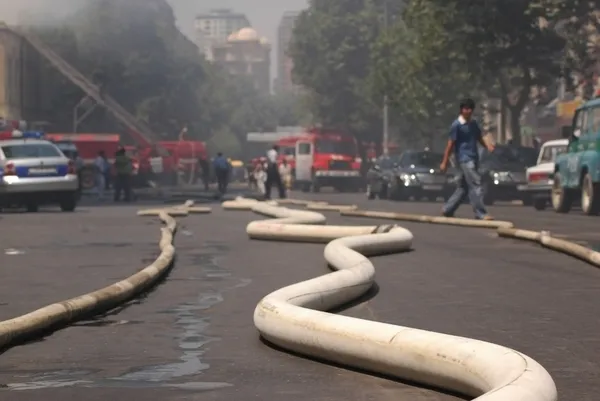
(386, 117)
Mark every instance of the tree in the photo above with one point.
(331, 48)
(507, 43)
(578, 23)
(421, 67)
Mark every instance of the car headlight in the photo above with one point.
(408, 179)
(500, 176)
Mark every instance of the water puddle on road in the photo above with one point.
(192, 340)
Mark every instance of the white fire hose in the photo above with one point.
(295, 317)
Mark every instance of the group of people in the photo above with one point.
(269, 173)
(123, 168)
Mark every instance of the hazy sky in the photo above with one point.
(264, 15)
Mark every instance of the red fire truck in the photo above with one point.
(323, 158)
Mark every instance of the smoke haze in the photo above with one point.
(38, 12)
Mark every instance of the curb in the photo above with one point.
(422, 218)
(505, 229)
(294, 317)
(560, 245)
(319, 206)
(60, 314)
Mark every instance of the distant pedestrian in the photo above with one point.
(285, 172)
(222, 169)
(273, 176)
(124, 168)
(465, 136)
(100, 168)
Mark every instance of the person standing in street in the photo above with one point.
(222, 169)
(124, 168)
(285, 172)
(273, 176)
(465, 136)
(100, 170)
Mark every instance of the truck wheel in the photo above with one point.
(590, 196)
(540, 204)
(562, 198)
(314, 186)
(68, 203)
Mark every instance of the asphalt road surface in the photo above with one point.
(193, 339)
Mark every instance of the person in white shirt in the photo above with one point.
(100, 167)
(273, 176)
(285, 172)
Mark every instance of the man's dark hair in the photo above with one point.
(275, 147)
(219, 154)
(467, 104)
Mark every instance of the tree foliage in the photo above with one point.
(134, 50)
(433, 53)
(422, 70)
(331, 50)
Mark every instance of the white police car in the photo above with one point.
(35, 172)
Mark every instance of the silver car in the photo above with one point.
(34, 172)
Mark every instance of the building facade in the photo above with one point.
(285, 64)
(22, 93)
(246, 54)
(213, 28)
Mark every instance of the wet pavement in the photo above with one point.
(192, 338)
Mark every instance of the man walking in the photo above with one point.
(273, 176)
(222, 169)
(465, 135)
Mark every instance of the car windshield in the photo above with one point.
(505, 155)
(387, 163)
(30, 151)
(549, 153)
(347, 148)
(528, 155)
(421, 159)
(69, 149)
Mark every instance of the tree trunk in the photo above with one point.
(502, 121)
(515, 124)
(518, 105)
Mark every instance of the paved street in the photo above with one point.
(193, 339)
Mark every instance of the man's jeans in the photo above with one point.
(468, 182)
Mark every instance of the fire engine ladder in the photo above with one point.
(87, 86)
(138, 128)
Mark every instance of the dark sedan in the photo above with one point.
(418, 176)
(503, 173)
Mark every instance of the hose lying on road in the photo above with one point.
(295, 317)
(504, 229)
(59, 314)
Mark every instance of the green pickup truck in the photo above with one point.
(577, 172)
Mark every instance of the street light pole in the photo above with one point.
(386, 117)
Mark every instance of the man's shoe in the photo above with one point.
(487, 217)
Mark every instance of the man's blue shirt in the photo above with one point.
(221, 163)
(466, 135)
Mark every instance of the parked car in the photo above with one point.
(35, 172)
(540, 177)
(577, 171)
(418, 176)
(381, 176)
(503, 174)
